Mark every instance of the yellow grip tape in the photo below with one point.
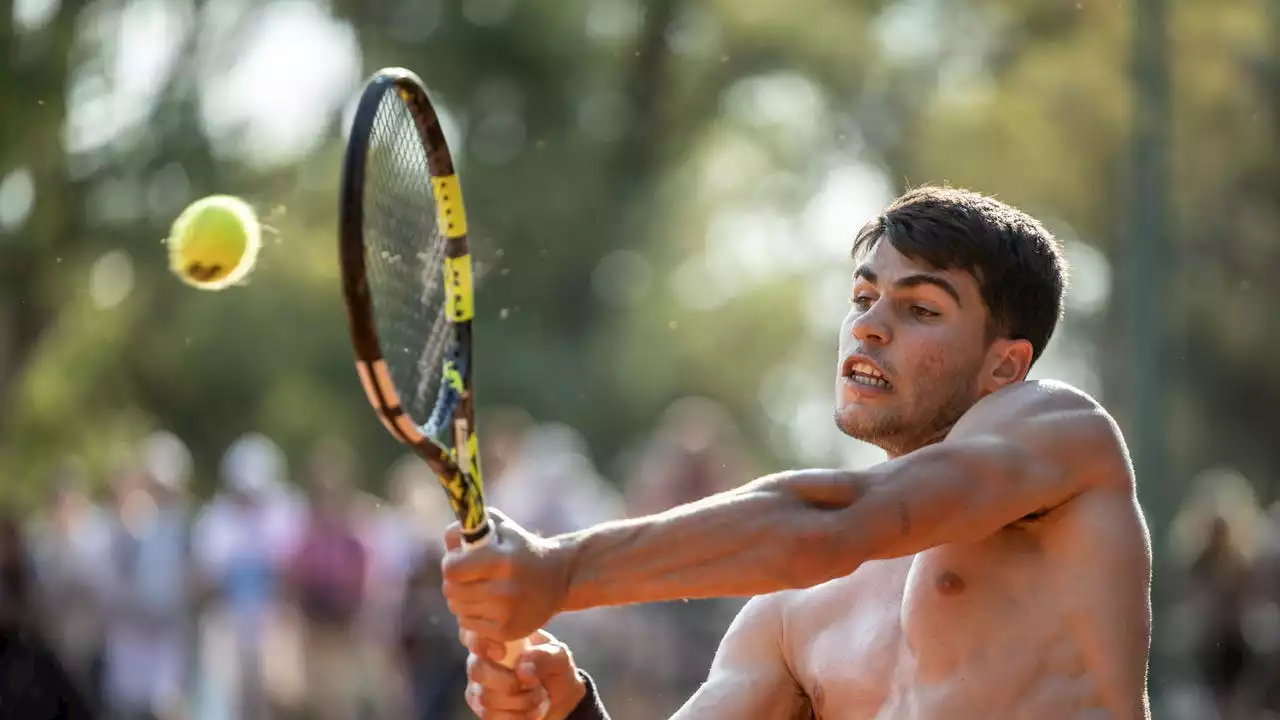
(459, 301)
(450, 217)
(469, 461)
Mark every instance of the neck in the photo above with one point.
(898, 447)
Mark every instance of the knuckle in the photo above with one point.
(504, 566)
(508, 592)
(490, 698)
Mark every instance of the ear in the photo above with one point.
(1008, 362)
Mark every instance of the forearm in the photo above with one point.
(802, 529)
(740, 543)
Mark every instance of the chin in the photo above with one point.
(858, 422)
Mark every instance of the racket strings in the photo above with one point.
(405, 254)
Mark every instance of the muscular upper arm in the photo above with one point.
(1074, 467)
(1099, 551)
(749, 676)
(1020, 452)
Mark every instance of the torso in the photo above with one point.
(984, 630)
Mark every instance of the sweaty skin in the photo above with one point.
(1046, 617)
(997, 568)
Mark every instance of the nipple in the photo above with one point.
(949, 583)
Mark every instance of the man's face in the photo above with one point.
(911, 351)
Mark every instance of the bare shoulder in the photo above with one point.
(1030, 399)
(755, 639)
(1062, 426)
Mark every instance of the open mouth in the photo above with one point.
(864, 373)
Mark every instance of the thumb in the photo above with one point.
(453, 537)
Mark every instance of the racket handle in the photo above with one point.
(515, 647)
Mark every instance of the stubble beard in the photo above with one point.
(898, 430)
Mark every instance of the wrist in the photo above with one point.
(567, 550)
(580, 691)
(588, 707)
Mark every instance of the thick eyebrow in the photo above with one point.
(870, 276)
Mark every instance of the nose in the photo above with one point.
(871, 327)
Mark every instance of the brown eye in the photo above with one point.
(923, 313)
(863, 302)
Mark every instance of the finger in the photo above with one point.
(491, 676)
(541, 663)
(476, 643)
(523, 704)
(495, 592)
(484, 563)
(485, 647)
(476, 699)
(482, 627)
(453, 537)
(498, 689)
(527, 674)
(475, 607)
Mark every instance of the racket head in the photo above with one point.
(407, 284)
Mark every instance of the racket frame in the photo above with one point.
(458, 471)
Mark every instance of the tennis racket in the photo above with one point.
(407, 283)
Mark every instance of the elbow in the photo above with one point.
(818, 552)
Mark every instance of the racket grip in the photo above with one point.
(515, 647)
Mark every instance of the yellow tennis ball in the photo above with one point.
(214, 243)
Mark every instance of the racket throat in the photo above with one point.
(460, 445)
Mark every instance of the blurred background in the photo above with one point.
(203, 518)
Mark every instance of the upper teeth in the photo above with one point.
(865, 369)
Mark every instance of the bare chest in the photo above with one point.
(947, 627)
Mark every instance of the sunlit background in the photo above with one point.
(662, 197)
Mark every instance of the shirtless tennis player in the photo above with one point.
(996, 566)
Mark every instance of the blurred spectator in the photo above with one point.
(396, 534)
(326, 579)
(240, 542)
(502, 430)
(69, 541)
(434, 661)
(695, 451)
(550, 485)
(1219, 577)
(33, 683)
(18, 608)
(1262, 622)
(327, 604)
(1217, 537)
(145, 583)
